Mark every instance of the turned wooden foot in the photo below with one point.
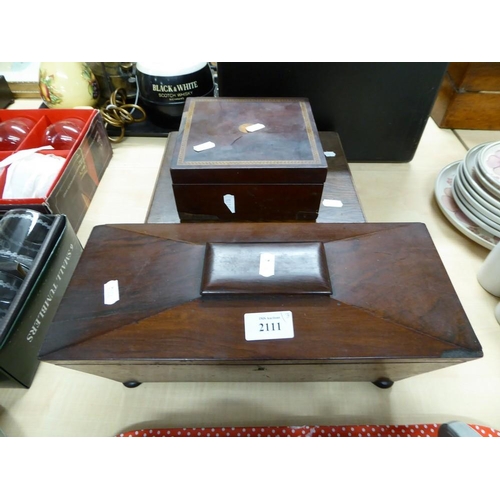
(131, 384)
(384, 383)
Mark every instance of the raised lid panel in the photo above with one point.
(265, 268)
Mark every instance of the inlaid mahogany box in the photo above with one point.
(339, 203)
(265, 161)
(260, 302)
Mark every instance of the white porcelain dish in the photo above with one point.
(488, 162)
(478, 208)
(477, 192)
(479, 219)
(476, 178)
(487, 184)
(450, 209)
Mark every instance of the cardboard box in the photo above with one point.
(30, 314)
(84, 166)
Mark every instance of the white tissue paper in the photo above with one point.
(31, 175)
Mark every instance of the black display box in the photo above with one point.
(379, 109)
(30, 314)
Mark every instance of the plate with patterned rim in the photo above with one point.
(450, 209)
(488, 162)
(476, 192)
(475, 207)
(478, 218)
(487, 184)
(471, 171)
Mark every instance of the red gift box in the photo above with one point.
(85, 162)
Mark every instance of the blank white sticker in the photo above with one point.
(229, 202)
(111, 292)
(329, 154)
(254, 128)
(266, 266)
(333, 203)
(269, 325)
(204, 146)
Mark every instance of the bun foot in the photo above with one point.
(131, 384)
(383, 383)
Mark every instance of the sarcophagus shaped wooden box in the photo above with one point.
(259, 302)
(247, 160)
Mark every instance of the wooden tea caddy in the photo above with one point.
(391, 311)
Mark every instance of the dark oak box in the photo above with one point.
(23, 327)
(275, 173)
(367, 302)
(85, 162)
(469, 97)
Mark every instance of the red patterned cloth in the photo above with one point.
(415, 430)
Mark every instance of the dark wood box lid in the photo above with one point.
(392, 299)
(286, 150)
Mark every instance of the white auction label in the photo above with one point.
(266, 265)
(229, 202)
(204, 146)
(111, 292)
(269, 325)
(333, 203)
(254, 128)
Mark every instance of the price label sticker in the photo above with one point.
(269, 325)
(255, 127)
(111, 292)
(333, 203)
(204, 146)
(229, 202)
(266, 266)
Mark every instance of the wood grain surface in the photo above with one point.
(392, 303)
(469, 97)
(338, 187)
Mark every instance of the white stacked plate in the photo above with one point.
(468, 193)
(488, 166)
